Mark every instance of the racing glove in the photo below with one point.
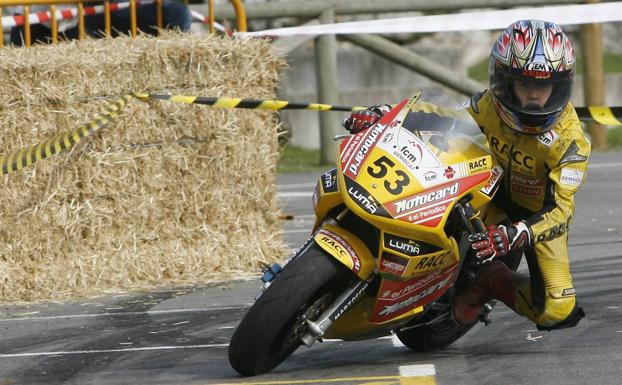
(500, 240)
(363, 119)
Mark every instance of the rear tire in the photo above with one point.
(271, 330)
(433, 337)
(442, 334)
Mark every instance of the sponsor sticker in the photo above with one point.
(571, 177)
(395, 290)
(364, 199)
(434, 176)
(425, 198)
(348, 147)
(526, 180)
(363, 149)
(329, 181)
(495, 177)
(449, 172)
(555, 231)
(398, 297)
(538, 70)
(430, 176)
(526, 190)
(409, 247)
(569, 292)
(431, 261)
(548, 138)
(388, 137)
(340, 246)
(427, 214)
(393, 264)
(522, 162)
(477, 165)
(409, 150)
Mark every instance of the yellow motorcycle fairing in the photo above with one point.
(405, 258)
(326, 196)
(380, 315)
(395, 178)
(347, 248)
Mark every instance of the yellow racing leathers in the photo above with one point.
(542, 174)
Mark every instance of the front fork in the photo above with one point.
(345, 301)
(474, 230)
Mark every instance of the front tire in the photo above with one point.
(271, 330)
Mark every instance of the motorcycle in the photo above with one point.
(390, 247)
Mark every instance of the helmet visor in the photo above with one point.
(534, 99)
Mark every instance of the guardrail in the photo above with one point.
(54, 15)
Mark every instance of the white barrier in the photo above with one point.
(468, 21)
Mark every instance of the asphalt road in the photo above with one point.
(181, 336)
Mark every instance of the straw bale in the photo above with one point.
(167, 194)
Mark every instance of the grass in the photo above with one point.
(300, 160)
(612, 63)
(297, 160)
(614, 137)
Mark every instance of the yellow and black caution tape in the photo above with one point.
(611, 116)
(261, 104)
(603, 115)
(62, 141)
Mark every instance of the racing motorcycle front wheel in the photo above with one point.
(271, 330)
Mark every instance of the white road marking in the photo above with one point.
(604, 165)
(396, 341)
(534, 338)
(297, 185)
(149, 348)
(28, 313)
(297, 231)
(425, 370)
(150, 312)
(294, 194)
(304, 216)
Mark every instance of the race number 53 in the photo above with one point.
(380, 169)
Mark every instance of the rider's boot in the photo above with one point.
(495, 281)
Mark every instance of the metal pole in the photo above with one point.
(594, 95)
(417, 63)
(327, 90)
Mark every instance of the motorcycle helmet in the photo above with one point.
(534, 53)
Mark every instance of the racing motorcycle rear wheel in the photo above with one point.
(271, 330)
(430, 335)
(436, 329)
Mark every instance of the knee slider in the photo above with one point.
(560, 312)
(571, 321)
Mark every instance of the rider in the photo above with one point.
(534, 133)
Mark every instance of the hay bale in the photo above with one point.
(167, 194)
